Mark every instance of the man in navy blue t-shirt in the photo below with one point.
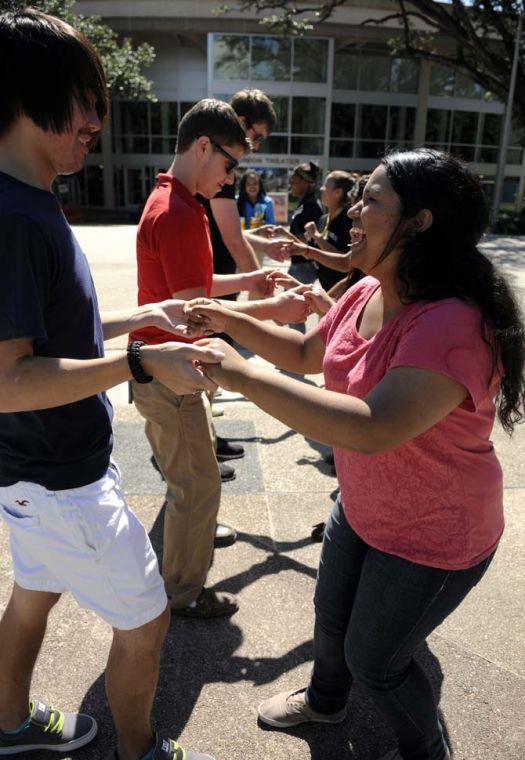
(70, 527)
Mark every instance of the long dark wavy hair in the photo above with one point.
(243, 196)
(444, 261)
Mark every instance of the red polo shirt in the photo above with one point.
(173, 250)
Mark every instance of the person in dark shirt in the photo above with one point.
(231, 250)
(309, 209)
(60, 497)
(331, 232)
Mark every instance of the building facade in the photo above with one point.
(341, 98)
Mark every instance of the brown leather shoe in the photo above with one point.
(210, 604)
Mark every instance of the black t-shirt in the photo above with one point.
(308, 210)
(223, 262)
(338, 235)
(47, 295)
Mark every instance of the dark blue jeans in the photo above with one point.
(372, 612)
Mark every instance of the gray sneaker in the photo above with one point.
(49, 729)
(169, 749)
(290, 708)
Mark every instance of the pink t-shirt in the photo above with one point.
(437, 499)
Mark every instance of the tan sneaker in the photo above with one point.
(290, 708)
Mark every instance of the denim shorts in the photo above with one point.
(86, 541)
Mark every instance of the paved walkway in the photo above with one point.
(214, 674)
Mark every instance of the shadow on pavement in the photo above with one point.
(363, 736)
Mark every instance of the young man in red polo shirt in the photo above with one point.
(175, 259)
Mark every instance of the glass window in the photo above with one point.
(308, 115)
(346, 70)
(464, 127)
(134, 118)
(310, 60)
(156, 118)
(369, 149)
(491, 130)
(231, 56)
(271, 58)
(442, 80)
(489, 155)
(311, 146)
(466, 152)
(173, 118)
(281, 109)
(342, 148)
(185, 106)
(510, 191)
(404, 75)
(94, 185)
(438, 125)
(373, 122)
(401, 124)
(466, 88)
(275, 144)
(343, 120)
(514, 155)
(374, 73)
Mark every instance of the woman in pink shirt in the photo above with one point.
(418, 357)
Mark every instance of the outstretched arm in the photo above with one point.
(404, 404)
(29, 382)
(338, 261)
(282, 346)
(167, 315)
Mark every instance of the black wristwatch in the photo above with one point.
(135, 364)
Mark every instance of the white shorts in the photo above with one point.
(89, 542)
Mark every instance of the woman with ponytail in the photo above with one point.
(419, 356)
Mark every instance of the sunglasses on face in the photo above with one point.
(232, 162)
(257, 136)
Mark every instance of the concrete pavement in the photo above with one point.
(214, 674)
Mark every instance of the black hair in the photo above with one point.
(341, 181)
(45, 66)
(443, 261)
(356, 193)
(243, 197)
(214, 119)
(255, 106)
(308, 171)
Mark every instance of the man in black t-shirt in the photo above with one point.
(231, 250)
(70, 526)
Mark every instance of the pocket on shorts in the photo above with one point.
(92, 513)
(17, 518)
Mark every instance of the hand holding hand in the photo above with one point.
(318, 299)
(206, 316)
(291, 306)
(257, 282)
(266, 231)
(232, 370)
(277, 249)
(167, 315)
(310, 231)
(179, 366)
(283, 279)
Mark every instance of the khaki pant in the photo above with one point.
(181, 435)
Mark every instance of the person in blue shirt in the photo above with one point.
(70, 527)
(253, 202)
